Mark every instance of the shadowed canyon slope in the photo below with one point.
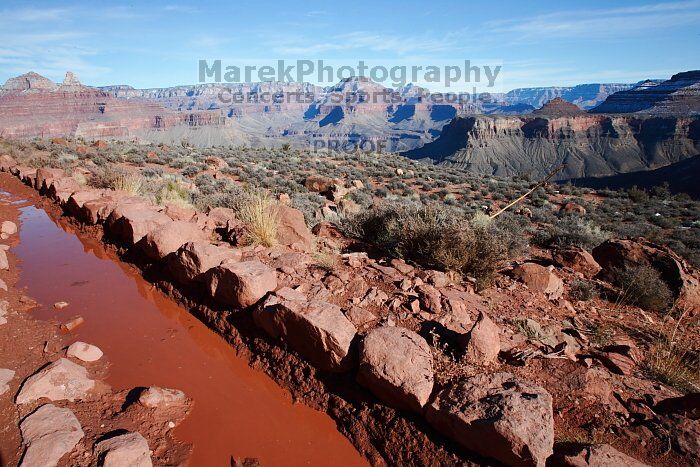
(591, 144)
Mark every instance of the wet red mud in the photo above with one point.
(150, 340)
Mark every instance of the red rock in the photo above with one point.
(130, 221)
(44, 177)
(573, 208)
(499, 416)
(577, 259)
(169, 237)
(396, 364)
(684, 433)
(484, 341)
(687, 405)
(97, 211)
(194, 259)
(326, 230)
(540, 279)
(292, 229)
(315, 329)
(430, 298)
(7, 163)
(318, 183)
(62, 188)
(241, 284)
(600, 455)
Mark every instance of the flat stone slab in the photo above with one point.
(49, 433)
(61, 380)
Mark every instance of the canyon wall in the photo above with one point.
(589, 145)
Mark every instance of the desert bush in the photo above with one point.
(172, 191)
(106, 177)
(571, 230)
(582, 290)
(438, 237)
(643, 286)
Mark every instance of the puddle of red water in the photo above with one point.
(149, 340)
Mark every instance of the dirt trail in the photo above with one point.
(149, 340)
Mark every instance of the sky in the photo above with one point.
(544, 43)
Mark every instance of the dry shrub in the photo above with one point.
(173, 192)
(260, 213)
(643, 286)
(439, 237)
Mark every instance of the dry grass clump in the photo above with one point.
(260, 213)
(672, 359)
(129, 183)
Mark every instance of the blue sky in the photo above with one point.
(153, 44)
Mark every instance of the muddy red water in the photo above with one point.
(150, 340)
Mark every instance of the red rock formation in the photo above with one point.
(31, 107)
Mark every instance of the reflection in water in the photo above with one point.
(149, 340)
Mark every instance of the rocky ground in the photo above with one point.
(55, 408)
(414, 364)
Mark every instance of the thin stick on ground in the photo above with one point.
(516, 201)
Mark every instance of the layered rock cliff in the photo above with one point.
(33, 106)
(680, 95)
(589, 145)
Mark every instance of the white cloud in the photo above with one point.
(600, 23)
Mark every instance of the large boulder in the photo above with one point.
(96, 211)
(396, 364)
(49, 433)
(61, 380)
(60, 189)
(7, 162)
(540, 279)
(499, 416)
(169, 237)
(132, 220)
(599, 455)
(241, 284)
(317, 330)
(292, 229)
(193, 259)
(44, 177)
(130, 449)
(77, 200)
(577, 259)
(681, 277)
(318, 183)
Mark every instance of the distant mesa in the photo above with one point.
(558, 107)
(679, 95)
(29, 82)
